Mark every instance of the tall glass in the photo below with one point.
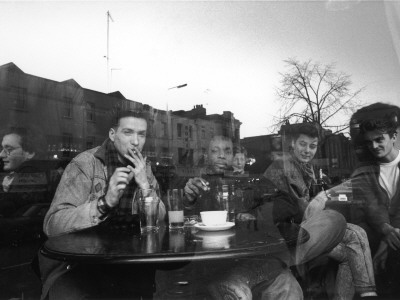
(148, 211)
(175, 208)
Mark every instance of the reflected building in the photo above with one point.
(74, 119)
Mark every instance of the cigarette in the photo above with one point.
(202, 182)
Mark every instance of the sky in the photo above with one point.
(229, 53)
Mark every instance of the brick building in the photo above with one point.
(73, 119)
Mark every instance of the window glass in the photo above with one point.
(67, 108)
(217, 99)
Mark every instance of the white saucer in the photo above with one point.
(225, 226)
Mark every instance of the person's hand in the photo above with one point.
(139, 172)
(245, 217)
(392, 237)
(316, 205)
(194, 187)
(118, 182)
(380, 257)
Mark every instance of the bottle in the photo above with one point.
(227, 201)
(224, 199)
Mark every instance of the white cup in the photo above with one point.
(213, 218)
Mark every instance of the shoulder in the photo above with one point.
(366, 168)
(282, 165)
(274, 166)
(85, 160)
(86, 155)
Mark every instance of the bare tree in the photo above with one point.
(318, 93)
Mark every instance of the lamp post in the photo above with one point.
(168, 114)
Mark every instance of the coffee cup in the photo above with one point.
(213, 218)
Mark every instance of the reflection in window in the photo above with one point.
(180, 155)
(237, 135)
(165, 151)
(190, 157)
(90, 112)
(66, 143)
(164, 130)
(151, 129)
(19, 98)
(19, 129)
(67, 109)
(224, 131)
(90, 142)
(179, 130)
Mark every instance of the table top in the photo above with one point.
(245, 239)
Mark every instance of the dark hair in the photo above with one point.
(384, 126)
(378, 116)
(307, 129)
(130, 113)
(240, 149)
(32, 139)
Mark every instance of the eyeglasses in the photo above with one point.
(8, 150)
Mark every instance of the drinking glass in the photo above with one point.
(177, 240)
(148, 211)
(175, 208)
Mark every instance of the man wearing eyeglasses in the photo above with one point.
(22, 181)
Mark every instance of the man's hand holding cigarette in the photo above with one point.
(194, 187)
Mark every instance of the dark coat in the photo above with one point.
(377, 208)
(30, 185)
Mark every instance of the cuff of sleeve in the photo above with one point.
(95, 214)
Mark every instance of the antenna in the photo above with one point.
(108, 49)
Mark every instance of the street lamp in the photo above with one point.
(178, 86)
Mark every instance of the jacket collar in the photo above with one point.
(101, 151)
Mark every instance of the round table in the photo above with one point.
(183, 259)
(245, 239)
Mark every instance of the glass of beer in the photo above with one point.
(175, 208)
